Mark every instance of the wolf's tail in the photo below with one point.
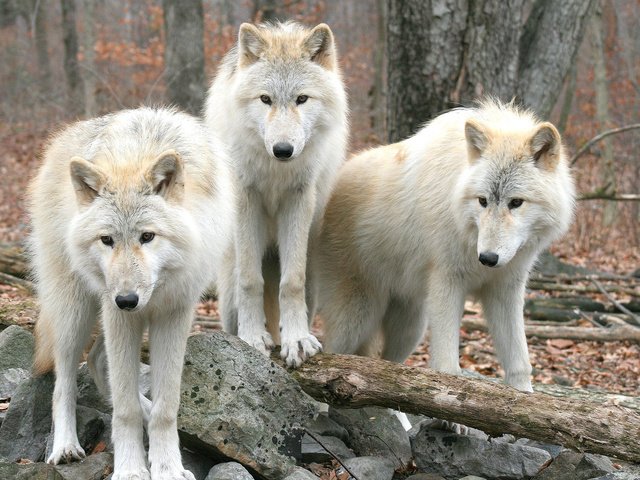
(43, 361)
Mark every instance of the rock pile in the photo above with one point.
(242, 417)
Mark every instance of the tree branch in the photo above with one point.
(599, 137)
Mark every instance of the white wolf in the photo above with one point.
(128, 215)
(461, 208)
(279, 104)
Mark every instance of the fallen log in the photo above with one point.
(614, 333)
(350, 381)
(13, 260)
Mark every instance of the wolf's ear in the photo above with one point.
(251, 44)
(545, 146)
(87, 180)
(166, 176)
(477, 139)
(321, 46)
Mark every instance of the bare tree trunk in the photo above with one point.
(184, 53)
(348, 381)
(378, 93)
(71, 68)
(424, 50)
(492, 53)
(89, 62)
(42, 45)
(548, 46)
(569, 93)
(267, 11)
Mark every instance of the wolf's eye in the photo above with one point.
(107, 240)
(515, 203)
(483, 202)
(266, 99)
(146, 237)
(301, 99)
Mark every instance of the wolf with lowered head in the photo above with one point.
(462, 208)
(127, 215)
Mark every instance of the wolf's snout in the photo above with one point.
(127, 302)
(489, 259)
(283, 150)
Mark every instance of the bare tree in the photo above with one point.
(71, 69)
(89, 70)
(184, 53)
(39, 25)
(442, 53)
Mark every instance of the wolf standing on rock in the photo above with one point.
(279, 104)
(127, 214)
(463, 207)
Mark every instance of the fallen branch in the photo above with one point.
(599, 137)
(615, 197)
(350, 381)
(7, 279)
(13, 260)
(618, 305)
(617, 333)
(559, 287)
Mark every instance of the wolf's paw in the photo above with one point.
(449, 426)
(261, 342)
(520, 382)
(68, 453)
(134, 474)
(164, 472)
(296, 351)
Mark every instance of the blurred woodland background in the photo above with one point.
(576, 62)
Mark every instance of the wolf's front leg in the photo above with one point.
(167, 342)
(73, 322)
(294, 224)
(503, 304)
(250, 242)
(123, 336)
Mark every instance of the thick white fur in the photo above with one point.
(404, 228)
(279, 202)
(144, 170)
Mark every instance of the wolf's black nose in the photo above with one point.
(127, 302)
(489, 259)
(283, 150)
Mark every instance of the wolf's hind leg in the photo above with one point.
(352, 318)
(73, 321)
(403, 326)
(99, 369)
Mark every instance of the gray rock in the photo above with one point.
(94, 467)
(569, 465)
(300, 473)
(16, 348)
(199, 465)
(229, 471)
(31, 471)
(323, 425)
(594, 466)
(472, 477)
(554, 450)
(27, 425)
(10, 379)
(618, 476)
(312, 451)
(453, 455)
(375, 432)
(425, 476)
(371, 467)
(239, 404)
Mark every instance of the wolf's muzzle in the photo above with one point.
(127, 302)
(489, 259)
(283, 150)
